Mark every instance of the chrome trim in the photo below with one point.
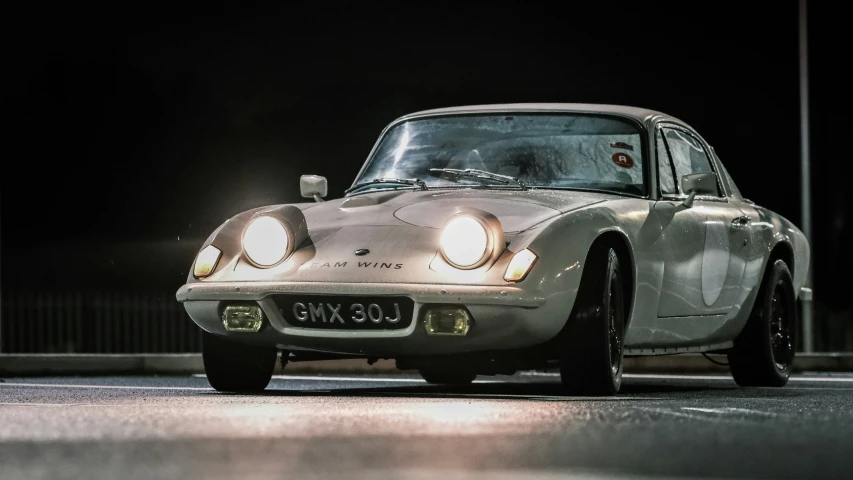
(509, 295)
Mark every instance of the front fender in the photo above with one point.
(774, 229)
(563, 244)
(227, 238)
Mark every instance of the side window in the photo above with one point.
(667, 183)
(688, 156)
(735, 192)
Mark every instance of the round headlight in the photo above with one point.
(465, 241)
(265, 241)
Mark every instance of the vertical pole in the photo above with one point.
(805, 180)
(1, 286)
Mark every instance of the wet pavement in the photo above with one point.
(397, 426)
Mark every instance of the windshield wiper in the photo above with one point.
(415, 182)
(474, 173)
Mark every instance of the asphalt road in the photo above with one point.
(399, 427)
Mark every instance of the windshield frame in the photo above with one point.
(641, 129)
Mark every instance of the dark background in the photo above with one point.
(132, 132)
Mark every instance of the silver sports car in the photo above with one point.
(489, 239)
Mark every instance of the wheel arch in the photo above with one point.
(620, 243)
(782, 251)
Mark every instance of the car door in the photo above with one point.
(701, 244)
(751, 254)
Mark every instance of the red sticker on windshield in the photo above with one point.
(623, 160)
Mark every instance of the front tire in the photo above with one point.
(763, 353)
(592, 362)
(236, 367)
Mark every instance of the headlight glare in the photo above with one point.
(464, 241)
(205, 262)
(519, 266)
(265, 241)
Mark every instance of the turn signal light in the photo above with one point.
(206, 261)
(519, 266)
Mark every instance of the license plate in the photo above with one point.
(346, 312)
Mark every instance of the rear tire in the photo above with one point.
(763, 353)
(448, 377)
(592, 362)
(236, 367)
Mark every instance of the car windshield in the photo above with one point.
(571, 151)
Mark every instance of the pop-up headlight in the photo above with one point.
(265, 241)
(464, 241)
(471, 238)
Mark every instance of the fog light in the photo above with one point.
(242, 318)
(447, 321)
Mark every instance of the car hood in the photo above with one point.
(516, 210)
(398, 230)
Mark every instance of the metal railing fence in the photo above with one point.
(96, 322)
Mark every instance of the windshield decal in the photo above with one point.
(623, 160)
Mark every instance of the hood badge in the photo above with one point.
(362, 251)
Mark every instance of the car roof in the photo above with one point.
(639, 114)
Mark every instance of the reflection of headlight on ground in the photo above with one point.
(205, 262)
(464, 241)
(323, 417)
(454, 412)
(265, 241)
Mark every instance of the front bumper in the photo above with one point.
(505, 317)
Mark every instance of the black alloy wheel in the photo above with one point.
(763, 353)
(591, 363)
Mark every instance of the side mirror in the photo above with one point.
(704, 183)
(313, 186)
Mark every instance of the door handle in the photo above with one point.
(741, 221)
